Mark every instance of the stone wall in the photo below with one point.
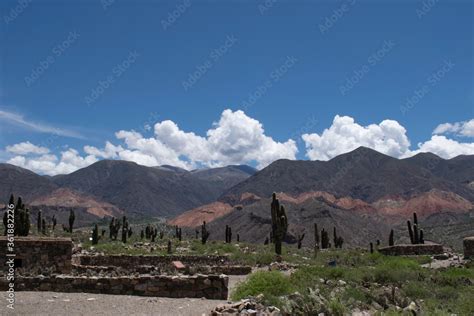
(468, 244)
(127, 261)
(37, 254)
(409, 250)
(196, 286)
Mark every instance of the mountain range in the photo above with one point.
(362, 192)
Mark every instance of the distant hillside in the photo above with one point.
(363, 174)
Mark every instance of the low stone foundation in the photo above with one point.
(410, 250)
(37, 254)
(196, 286)
(127, 261)
(468, 245)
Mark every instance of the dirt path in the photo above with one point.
(72, 304)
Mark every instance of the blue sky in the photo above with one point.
(290, 65)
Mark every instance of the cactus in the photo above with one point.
(180, 236)
(279, 223)
(266, 241)
(300, 240)
(204, 233)
(390, 238)
(103, 232)
(162, 234)
(54, 222)
(238, 238)
(415, 234)
(410, 232)
(228, 234)
(197, 233)
(422, 240)
(142, 234)
(43, 226)
(316, 237)
(124, 229)
(324, 239)
(371, 248)
(169, 247)
(39, 221)
(95, 235)
(72, 218)
(130, 232)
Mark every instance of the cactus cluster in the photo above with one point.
(415, 233)
(228, 234)
(22, 218)
(114, 228)
(204, 233)
(279, 223)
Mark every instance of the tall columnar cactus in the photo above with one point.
(124, 229)
(279, 223)
(390, 238)
(72, 218)
(371, 247)
(43, 226)
(422, 239)
(300, 240)
(416, 236)
(324, 239)
(95, 235)
(142, 234)
(204, 233)
(170, 249)
(54, 222)
(316, 237)
(238, 238)
(410, 232)
(228, 234)
(39, 221)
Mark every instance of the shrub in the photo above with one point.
(271, 284)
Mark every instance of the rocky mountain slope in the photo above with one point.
(363, 174)
(124, 186)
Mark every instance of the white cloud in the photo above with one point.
(465, 128)
(19, 120)
(345, 135)
(445, 147)
(234, 139)
(27, 148)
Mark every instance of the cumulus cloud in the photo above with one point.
(345, 135)
(465, 128)
(234, 139)
(445, 147)
(26, 148)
